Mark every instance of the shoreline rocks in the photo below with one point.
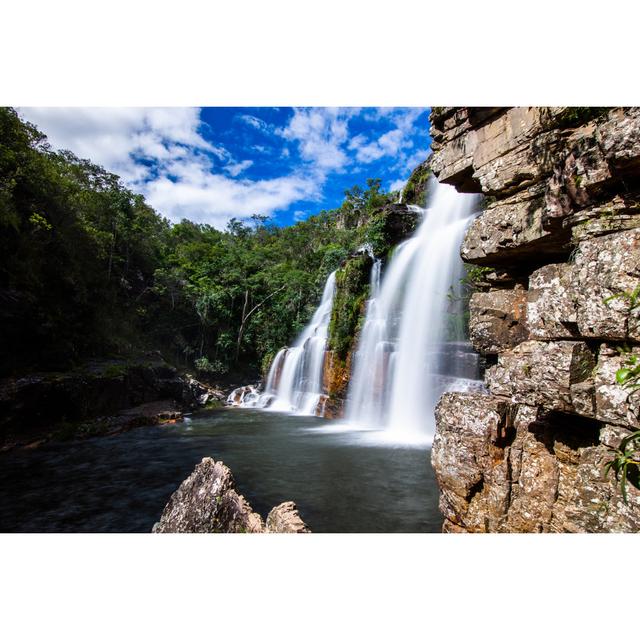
(207, 502)
(100, 398)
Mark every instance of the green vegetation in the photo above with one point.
(352, 291)
(625, 462)
(576, 116)
(89, 269)
(415, 190)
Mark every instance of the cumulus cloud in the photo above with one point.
(179, 176)
(118, 137)
(236, 168)
(392, 143)
(164, 154)
(320, 135)
(397, 185)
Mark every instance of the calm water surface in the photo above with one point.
(342, 481)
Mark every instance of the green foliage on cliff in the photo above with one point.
(415, 191)
(576, 116)
(352, 290)
(87, 268)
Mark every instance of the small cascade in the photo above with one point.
(294, 382)
(247, 396)
(410, 351)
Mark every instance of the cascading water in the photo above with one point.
(409, 352)
(294, 383)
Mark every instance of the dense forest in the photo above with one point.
(88, 269)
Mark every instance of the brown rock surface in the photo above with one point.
(497, 320)
(502, 468)
(207, 502)
(561, 220)
(542, 374)
(285, 519)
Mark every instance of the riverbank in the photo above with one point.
(101, 397)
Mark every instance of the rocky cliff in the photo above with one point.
(559, 236)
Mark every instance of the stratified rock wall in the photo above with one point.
(561, 230)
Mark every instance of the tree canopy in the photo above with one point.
(89, 269)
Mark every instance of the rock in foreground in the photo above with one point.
(207, 502)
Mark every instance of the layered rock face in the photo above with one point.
(207, 502)
(557, 317)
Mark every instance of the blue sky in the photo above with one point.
(212, 164)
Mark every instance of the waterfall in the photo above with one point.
(408, 352)
(294, 383)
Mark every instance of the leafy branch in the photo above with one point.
(625, 463)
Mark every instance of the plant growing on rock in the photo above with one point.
(625, 463)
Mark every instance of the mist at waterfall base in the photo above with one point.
(412, 346)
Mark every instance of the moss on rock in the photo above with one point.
(352, 290)
(415, 191)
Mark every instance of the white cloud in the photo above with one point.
(392, 143)
(299, 215)
(357, 142)
(256, 123)
(114, 137)
(397, 185)
(185, 175)
(320, 134)
(236, 168)
(182, 182)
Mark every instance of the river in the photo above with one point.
(342, 480)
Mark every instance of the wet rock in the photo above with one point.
(543, 374)
(497, 320)
(207, 502)
(285, 519)
(34, 407)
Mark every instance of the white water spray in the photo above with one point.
(409, 353)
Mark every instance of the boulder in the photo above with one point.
(285, 519)
(207, 502)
